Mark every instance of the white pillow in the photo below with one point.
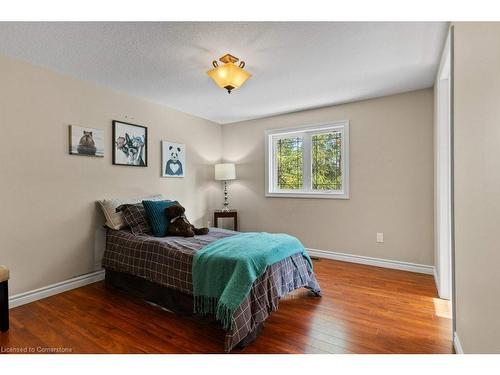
(114, 220)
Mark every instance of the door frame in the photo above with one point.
(444, 174)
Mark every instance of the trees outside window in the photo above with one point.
(308, 161)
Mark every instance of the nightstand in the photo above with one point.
(231, 213)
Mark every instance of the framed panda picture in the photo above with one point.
(173, 159)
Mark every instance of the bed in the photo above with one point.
(159, 269)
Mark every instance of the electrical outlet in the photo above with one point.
(380, 237)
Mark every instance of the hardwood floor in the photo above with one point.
(364, 309)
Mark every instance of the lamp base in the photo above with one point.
(225, 207)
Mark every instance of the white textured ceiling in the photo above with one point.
(295, 65)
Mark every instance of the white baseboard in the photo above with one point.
(63, 286)
(456, 344)
(50, 290)
(377, 262)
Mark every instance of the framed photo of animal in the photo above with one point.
(130, 144)
(86, 141)
(173, 159)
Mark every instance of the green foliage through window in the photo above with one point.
(290, 158)
(326, 161)
(325, 170)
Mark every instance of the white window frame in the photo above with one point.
(271, 138)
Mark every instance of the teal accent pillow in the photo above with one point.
(156, 216)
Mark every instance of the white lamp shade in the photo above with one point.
(225, 171)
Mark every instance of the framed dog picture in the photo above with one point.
(173, 159)
(86, 141)
(130, 144)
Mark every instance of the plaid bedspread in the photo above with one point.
(168, 261)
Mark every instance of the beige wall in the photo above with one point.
(391, 185)
(49, 225)
(477, 185)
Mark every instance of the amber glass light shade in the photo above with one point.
(229, 76)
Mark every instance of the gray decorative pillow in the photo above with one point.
(134, 217)
(114, 218)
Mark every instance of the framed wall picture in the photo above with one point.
(130, 144)
(173, 159)
(86, 141)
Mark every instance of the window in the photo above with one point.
(308, 162)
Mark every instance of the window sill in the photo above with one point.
(308, 195)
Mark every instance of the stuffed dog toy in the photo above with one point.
(179, 225)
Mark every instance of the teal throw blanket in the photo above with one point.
(224, 271)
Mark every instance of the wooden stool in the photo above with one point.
(4, 299)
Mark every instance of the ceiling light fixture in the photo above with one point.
(229, 76)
